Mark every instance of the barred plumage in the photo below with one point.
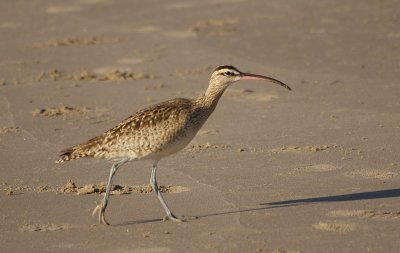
(158, 131)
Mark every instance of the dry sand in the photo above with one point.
(312, 170)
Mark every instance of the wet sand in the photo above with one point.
(312, 170)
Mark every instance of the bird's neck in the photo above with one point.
(212, 95)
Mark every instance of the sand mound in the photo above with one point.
(71, 187)
(59, 111)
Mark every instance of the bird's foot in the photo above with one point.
(172, 217)
(102, 218)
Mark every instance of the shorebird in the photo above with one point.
(158, 131)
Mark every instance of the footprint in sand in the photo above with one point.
(100, 74)
(335, 226)
(381, 174)
(60, 110)
(43, 227)
(9, 130)
(316, 168)
(305, 149)
(381, 215)
(78, 41)
(112, 73)
(200, 147)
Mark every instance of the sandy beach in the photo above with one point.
(315, 169)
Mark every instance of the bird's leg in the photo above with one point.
(103, 205)
(153, 183)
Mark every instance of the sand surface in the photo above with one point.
(312, 170)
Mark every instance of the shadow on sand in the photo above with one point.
(390, 193)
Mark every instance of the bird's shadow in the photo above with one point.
(389, 193)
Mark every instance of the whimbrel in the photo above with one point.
(157, 132)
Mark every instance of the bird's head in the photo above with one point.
(225, 75)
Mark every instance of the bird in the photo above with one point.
(158, 131)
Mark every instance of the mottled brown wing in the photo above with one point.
(132, 128)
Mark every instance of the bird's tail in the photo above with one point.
(87, 149)
(71, 154)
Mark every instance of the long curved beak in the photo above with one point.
(248, 76)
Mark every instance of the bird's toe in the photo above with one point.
(173, 218)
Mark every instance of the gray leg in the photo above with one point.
(153, 183)
(103, 205)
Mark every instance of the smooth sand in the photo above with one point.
(312, 170)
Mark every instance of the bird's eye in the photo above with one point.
(228, 73)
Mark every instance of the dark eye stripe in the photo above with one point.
(228, 73)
